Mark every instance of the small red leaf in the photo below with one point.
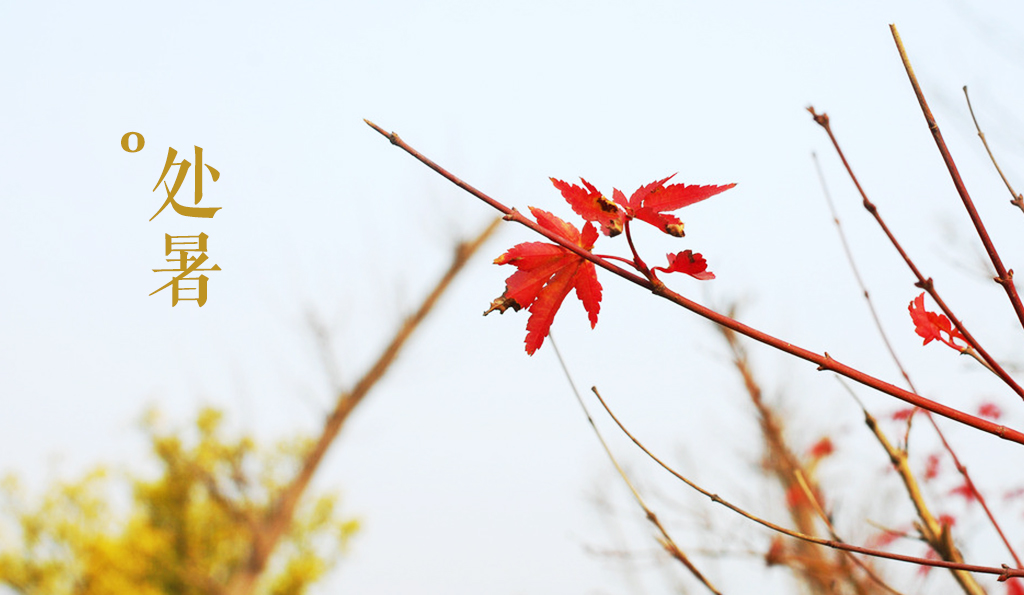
(689, 262)
(931, 326)
(590, 204)
(1015, 586)
(931, 467)
(884, 538)
(990, 410)
(931, 554)
(822, 448)
(903, 414)
(964, 490)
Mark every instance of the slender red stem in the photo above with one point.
(823, 361)
(899, 365)
(619, 258)
(640, 264)
(1003, 277)
(925, 283)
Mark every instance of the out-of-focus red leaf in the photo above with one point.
(689, 262)
(965, 491)
(884, 538)
(795, 497)
(1013, 494)
(931, 467)
(1014, 586)
(822, 448)
(990, 410)
(931, 555)
(776, 552)
(903, 414)
(546, 274)
(931, 326)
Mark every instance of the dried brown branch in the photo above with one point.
(817, 569)
(1004, 572)
(281, 512)
(936, 534)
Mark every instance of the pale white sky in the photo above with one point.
(471, 466)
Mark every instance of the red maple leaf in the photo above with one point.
(688, 262)
(593, 206)
(547, 272)
(931, 326)
(649, 203)
(1014, 586)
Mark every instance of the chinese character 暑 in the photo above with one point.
(187, 265)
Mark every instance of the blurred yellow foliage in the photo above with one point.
(188, 531)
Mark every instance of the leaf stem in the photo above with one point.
(638, 262)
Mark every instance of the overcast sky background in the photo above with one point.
(471, 466)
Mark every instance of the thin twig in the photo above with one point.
(935, 533)
(666, 540)
(1003, 277)
(1018, 199)
(789, 469)
(925, 283)
(856, 270)
(1004, 573)
(910, 384)
(824, 361)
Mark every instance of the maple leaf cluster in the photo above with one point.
(546, 273)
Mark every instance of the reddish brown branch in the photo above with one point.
(1003, 277)
(823, 361)
(910, 384)
(923, 282)
(783, 463)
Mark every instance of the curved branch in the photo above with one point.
(1005, 572)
